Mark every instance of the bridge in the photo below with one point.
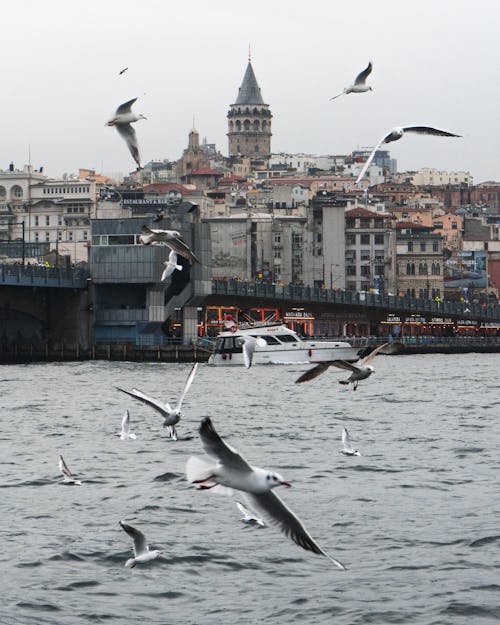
(40, 276)
(247, 294)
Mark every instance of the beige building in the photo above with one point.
(430, 177)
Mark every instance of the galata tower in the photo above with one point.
(249, 121)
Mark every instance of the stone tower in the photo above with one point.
(249, 121)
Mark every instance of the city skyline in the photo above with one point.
(63, 80)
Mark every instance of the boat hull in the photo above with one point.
(276, 356)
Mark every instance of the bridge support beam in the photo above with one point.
(190, 323)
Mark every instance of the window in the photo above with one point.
(454, 225)
(47, 236)
(422, 269)
(277, 253)
(277, 238)
(37, 238)
(351, 286)
(422, 247)
(36, 220)
(365, 239)
(435, 247)
(379, 239)
(365, 270)
(70, 235)
(59, 235)
(410, 246)
(85, 235)
(351, 270)
(319, 237)
(59, 220)
(17, 191)
(47, 220)
(350, 239)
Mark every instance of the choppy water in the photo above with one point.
(416, 518)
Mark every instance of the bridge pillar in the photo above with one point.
(190, 323)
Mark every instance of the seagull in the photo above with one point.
(171, 416)
(249, 517)
(249, 343)
(359, 85)
(67, 475)
(141, 549)
(122, 71)
(170, 266)
(122, 120)
(359, 370)
(397, 133)
(232, 471)
(126, 433)
(172, 238)
(347, 448)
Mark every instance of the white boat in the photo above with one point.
(283, 346)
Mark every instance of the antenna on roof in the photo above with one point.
(249, 54)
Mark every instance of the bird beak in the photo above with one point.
(285, 484)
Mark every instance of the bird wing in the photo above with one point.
(344, 364)
(428, 130)
(310, 374)
(189, 381)
(178, 245)
(371, 157)
(248, 347)
(371, 355)
(126, 422)
(145, 399)
(362, 76)
(274, 510)
(216, 447)
(126, 107)
(172, 257)
(167, 272)
(63, 467)
(128, 133)
(140, 544)
(346, 441)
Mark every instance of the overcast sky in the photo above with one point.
(434, 62)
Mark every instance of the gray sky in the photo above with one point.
(434, 62)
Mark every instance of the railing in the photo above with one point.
(390, 303)
(34, 275)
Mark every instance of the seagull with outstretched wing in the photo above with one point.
(122, 120)
(397, 133)
(359, 85)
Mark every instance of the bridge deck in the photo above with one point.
(31, 275)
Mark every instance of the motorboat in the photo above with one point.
(282, 346)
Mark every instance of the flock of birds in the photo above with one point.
(225, 470)
(124, 117)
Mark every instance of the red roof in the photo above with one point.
(206, 171)
(361, 212)
(164, 187)
(410, 224)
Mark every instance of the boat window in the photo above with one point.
(287, 338)
(270, 340)
(227, 345)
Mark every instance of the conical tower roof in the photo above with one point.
(249, 92)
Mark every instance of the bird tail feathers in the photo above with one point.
(199, 469)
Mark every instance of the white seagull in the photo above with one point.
(171, 416)
(397, 133)
(170, 266)
(141, 549)
(123, 119)
(125, 434)
(172, 238)
(249, 517)
(248, 344)
(232, 471)
(347, 448)
(360, 370)
(359, 85)
(69, 478)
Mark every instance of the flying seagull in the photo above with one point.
(347, 448)
(397, 133)
(231, 471)
(126, 433)
(359, 85)
(69, 479)
(171, 416)
(248, 344)
(170, 266)
(172, 238)
(249, 517)
(359, 370)
(122, 71)
(122, 119)
(141, 549)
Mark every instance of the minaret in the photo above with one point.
(249, 120)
